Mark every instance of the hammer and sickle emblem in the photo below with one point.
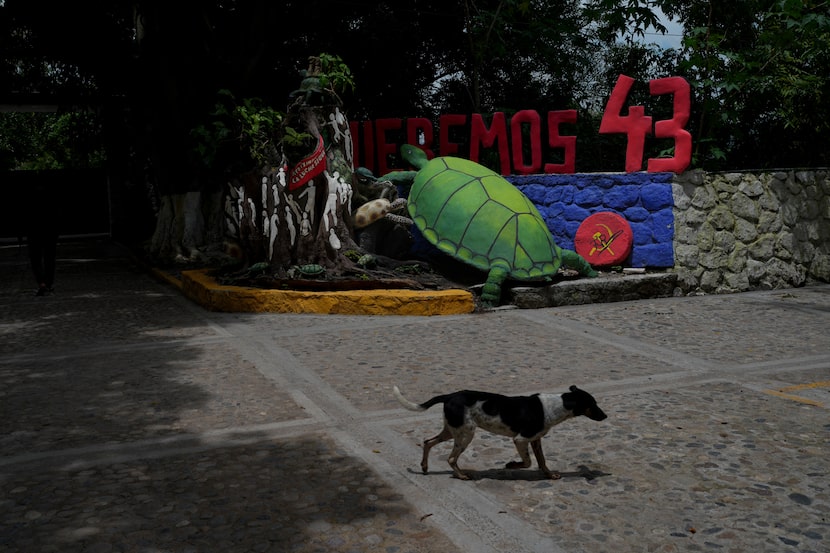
(601, 243)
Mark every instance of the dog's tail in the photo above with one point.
(412, 406)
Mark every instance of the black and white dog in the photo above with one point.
(526, 419)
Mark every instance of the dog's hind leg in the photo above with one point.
(521, 447)
(432, 442)
(540, 459)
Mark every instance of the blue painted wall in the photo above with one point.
(643, 199)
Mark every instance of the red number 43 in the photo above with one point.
(636, 125)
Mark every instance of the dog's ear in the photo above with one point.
(573, 389)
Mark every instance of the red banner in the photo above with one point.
(308, 167)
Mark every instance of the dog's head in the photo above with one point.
(582, 403)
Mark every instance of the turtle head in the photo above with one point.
(414, 155)
(364, 175)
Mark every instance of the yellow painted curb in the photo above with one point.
(200, 287)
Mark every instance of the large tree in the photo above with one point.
(761, 74)
(152, 70)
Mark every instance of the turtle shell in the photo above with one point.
(475, 215)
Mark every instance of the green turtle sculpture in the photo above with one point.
(475, 215)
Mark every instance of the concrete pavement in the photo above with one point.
(132, 420)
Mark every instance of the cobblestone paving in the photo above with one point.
(113, 398)
(300, 495)
(725, 331)
(673, 472)
(134, 421)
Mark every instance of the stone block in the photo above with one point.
(752, 187)
(745, 231)
(769, 221)
(790, 213)
(575, 213)
(733, 178)
(736, 282)
(636, 214)
(589, 197)
(621, 198)
(811, 191)
(820, 267)
(686, 256)
(709, 280)
(781, 274)
(737, 260)
(705, 237)
(792, 184)
(805, 253)
(604, 289)
(804, 177)
(537, 193)
(695, 177)
(742, 206)
(680, 199)
(662, 224)
(721, 218)
(656, 196)
(552, 212)
(712, 259)
(756, 272)
(762, 249)
(724, 241)
(807, 231)
(685, 235)
(691, 217)
(768, 201)
(653, 255)
(563, 194)
(643, 234)
(704, 198)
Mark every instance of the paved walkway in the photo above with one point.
(132, 420)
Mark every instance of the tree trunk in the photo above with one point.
(299, 213)
(188, 226)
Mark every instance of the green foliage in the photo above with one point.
(759, 69)
(246, 128)
(33, 141)
(249, 131)
(243, 133)
(336, 75)
(761, 75)
(626, 19)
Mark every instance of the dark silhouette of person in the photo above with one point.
(42, 236)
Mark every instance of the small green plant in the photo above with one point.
(409, 269)
(248, 126)
(335, 76)
(353, 255)
(245, 132)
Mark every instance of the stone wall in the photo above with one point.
(751, 230)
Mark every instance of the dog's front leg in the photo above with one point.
(540, 459)
(463, 436)
(521, 447)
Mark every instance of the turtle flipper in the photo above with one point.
(574, 261)
(491, 293)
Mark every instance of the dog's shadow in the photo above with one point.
(528, 475)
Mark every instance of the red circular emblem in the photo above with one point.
(604, 239)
